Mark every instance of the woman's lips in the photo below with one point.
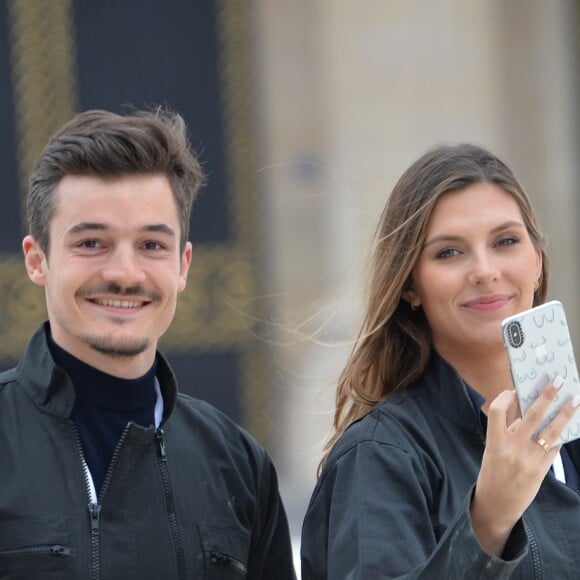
(486, 303)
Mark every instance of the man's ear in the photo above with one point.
(185, 263)
(34, 260)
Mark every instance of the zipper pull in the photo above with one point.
(160, 438)
(62, 551)
(218, 558)
(95, 514)
(221, 559)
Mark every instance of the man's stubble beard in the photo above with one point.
(114, 349)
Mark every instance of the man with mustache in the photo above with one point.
(107, 471)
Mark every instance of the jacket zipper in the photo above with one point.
(175, 533)
(37, 551)
(95, 516)
(94, 505)
(224, 560)
(534, 552)
(94, 510)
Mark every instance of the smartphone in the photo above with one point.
(539, 348)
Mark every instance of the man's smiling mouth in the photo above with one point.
(119, 303)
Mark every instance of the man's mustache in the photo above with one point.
(118, 290)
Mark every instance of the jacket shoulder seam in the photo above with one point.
(8, 376)
(360, 442)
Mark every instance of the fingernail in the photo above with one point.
(575, 401)
(558, 382)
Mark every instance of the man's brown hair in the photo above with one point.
(108, 145)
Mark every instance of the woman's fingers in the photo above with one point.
(554, 429)
(514, 426)
(501, 409)
(524, 428)
(535, 414)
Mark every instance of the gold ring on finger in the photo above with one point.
(543, 444)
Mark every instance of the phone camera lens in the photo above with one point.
(515, 334)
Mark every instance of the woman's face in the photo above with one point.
(477, 266)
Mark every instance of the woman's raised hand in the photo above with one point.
(514, 465)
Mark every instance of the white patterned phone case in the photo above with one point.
(539, 347)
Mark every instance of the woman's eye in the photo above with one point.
(447, 253)
(508, 241)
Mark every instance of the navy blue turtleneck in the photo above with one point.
(104, 405)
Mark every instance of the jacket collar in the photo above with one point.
(448, 394)
(50, 387)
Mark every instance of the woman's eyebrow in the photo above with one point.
(455, 238)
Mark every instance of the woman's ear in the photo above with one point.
(539, 264)
(34, 260)
(409, 295)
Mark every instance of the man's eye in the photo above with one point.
(152, 246)
(90, 244)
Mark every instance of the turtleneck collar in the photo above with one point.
(99, 389)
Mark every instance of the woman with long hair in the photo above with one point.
(430, 471)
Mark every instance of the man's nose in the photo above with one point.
(124, 267)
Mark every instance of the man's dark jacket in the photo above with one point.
(195, 498)
(393, 498)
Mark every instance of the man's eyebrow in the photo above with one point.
(159, 228)
(97, 226)
(454, 238)
(84, 226)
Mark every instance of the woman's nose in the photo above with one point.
(483, 269)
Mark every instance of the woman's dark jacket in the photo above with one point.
(195, 498)
(393, 498)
